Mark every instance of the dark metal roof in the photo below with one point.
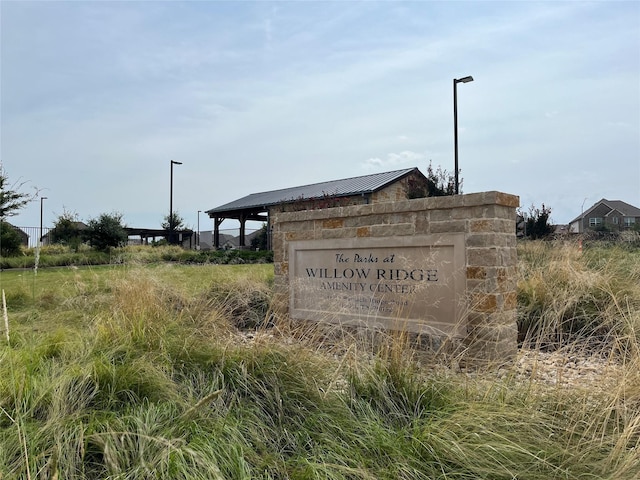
(336, 188)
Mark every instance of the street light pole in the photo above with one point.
(173, 162)
(42, 199)
(456, 81)
(198, 239)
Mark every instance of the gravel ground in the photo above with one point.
(566, 369)
(561, 368)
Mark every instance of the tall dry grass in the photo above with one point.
(566, 294)
(185, 373)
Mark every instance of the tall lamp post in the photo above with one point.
(42, 199)
(173, 162)
(198, 239)
(456, 81)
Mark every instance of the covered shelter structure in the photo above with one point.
(375, 188)
(184, 237)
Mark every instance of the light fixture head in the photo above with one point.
(176, 163)
(464, 79)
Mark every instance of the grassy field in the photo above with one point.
(166, 371)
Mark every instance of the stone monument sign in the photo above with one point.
(413, 284)
(441, 266)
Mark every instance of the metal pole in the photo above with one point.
(171, 196)
(41, 210)
(173, 162)
(455, 134)
(455, 127)
(198, 239)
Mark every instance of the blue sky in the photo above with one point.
(98, 97)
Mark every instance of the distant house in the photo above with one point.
(614, 215)
(375, 188)
(228, 242)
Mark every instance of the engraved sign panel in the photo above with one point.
(413, 283)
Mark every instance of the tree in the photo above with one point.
(106, 232)
(10, 241)
(259, 240)
(536, 224)
(171, 223)
(439, 184)
(11, 199)
(66, 230)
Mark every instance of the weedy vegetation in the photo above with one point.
(147, 370)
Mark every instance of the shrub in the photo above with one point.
(106, 232)
(10, 242)
(537, 222)
(66, 231)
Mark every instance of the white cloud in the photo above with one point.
(394, 160)
(99, 96)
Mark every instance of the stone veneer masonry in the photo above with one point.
(487, 221)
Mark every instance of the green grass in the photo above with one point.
(139, 371)
(63, 256)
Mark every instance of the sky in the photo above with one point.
(97, 98)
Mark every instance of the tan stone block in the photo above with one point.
(489, 240)
(296, 226)
(510, 300)
(484, 225)
(449, 201)
(302, 235)
(475, 319)
(507, 200)
(508, 257)
(333, 223)
(452, 226)
(392, 230)
(507, 226)
(402, 217)
(474, 199)
(366, 220)
(476, 272)
(483, 257)
(358, 211)
(363, 232)
(422, 223)
(338, 233)
(379, 208)
(484, 302)
(281, 268)
(417, 204)
(503, 212)
(402, 205)
(441, 215)
(475, 285)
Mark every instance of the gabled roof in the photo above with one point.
(624, 208)
(336, 188)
